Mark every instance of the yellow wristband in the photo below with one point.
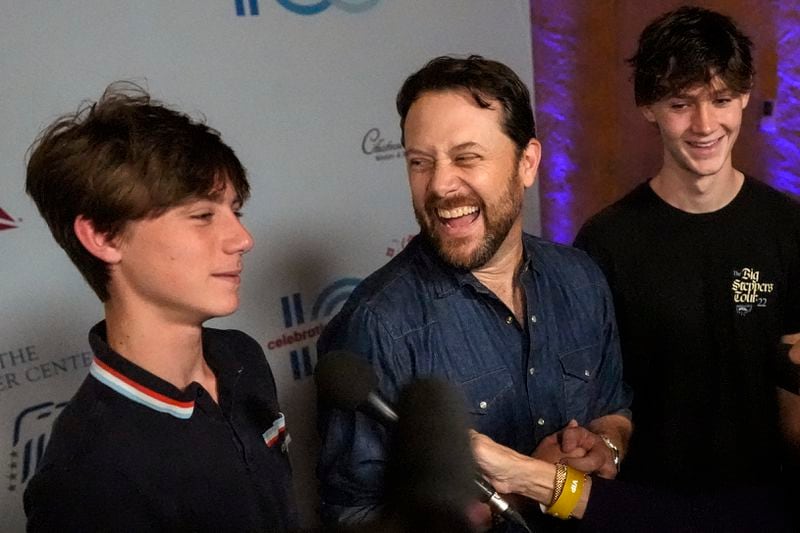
(568, 499)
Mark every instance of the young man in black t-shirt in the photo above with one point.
(704, 265)
(177, 427)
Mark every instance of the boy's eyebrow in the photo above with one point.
(683, 94)
(715, 93)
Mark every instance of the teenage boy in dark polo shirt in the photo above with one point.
(177, 427)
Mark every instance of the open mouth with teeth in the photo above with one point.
(705, 144)
(458, 217)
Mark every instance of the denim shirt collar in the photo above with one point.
(447, 279)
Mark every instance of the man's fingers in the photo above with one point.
(588, 463)
(573, 437)
(576, 453)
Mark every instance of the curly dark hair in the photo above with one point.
(690, 46)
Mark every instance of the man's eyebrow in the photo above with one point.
(415, 151)
(467, 146)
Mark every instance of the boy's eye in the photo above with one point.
(203, 216)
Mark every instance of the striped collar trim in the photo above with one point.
(139, 393)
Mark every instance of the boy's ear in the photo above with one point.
(648, 113)
(98, 243)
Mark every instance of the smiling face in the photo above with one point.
(467, 180)
(183, 265)
(699, 128)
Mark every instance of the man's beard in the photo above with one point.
(498, 220)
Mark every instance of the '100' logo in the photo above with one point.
(311, 8)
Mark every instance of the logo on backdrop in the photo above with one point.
(22, 366)
(373, 144)
(306, 8)
(397, 245)
(300, 335)
(31, 432)
(7, 221)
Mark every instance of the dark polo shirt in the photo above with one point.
(132, 452)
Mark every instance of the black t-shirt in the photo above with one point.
(701, 301)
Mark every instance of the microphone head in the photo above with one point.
(344, 380)
(430, 470)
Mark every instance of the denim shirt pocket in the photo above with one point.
(579, 369)
(490, 401)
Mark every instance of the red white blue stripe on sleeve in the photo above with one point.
(278, 427)
(139, 393)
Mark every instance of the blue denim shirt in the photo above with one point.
(418, 317)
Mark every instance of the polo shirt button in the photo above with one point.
(540, 421)
(483, 405)
(533, 319)
(509, 320)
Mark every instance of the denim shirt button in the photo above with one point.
(482, 405)
(587, 373)
(533, 319)
(540, 421)
(531, 371)
(509, 319)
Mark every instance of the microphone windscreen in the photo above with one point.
(344, 380)
(430, 466)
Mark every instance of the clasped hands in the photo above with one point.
(580, 448)
(574, 445)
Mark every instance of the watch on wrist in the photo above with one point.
(613, 447)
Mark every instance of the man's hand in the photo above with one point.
(583, 448)
(551, 450)
(597, 457)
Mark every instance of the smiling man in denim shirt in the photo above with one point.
(525, 327)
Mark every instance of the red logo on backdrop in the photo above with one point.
(6, 220)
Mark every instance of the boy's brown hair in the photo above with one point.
(123, 158)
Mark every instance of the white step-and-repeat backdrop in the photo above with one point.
(304, 91)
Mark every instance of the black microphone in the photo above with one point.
(347, 382)
(428, 480)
